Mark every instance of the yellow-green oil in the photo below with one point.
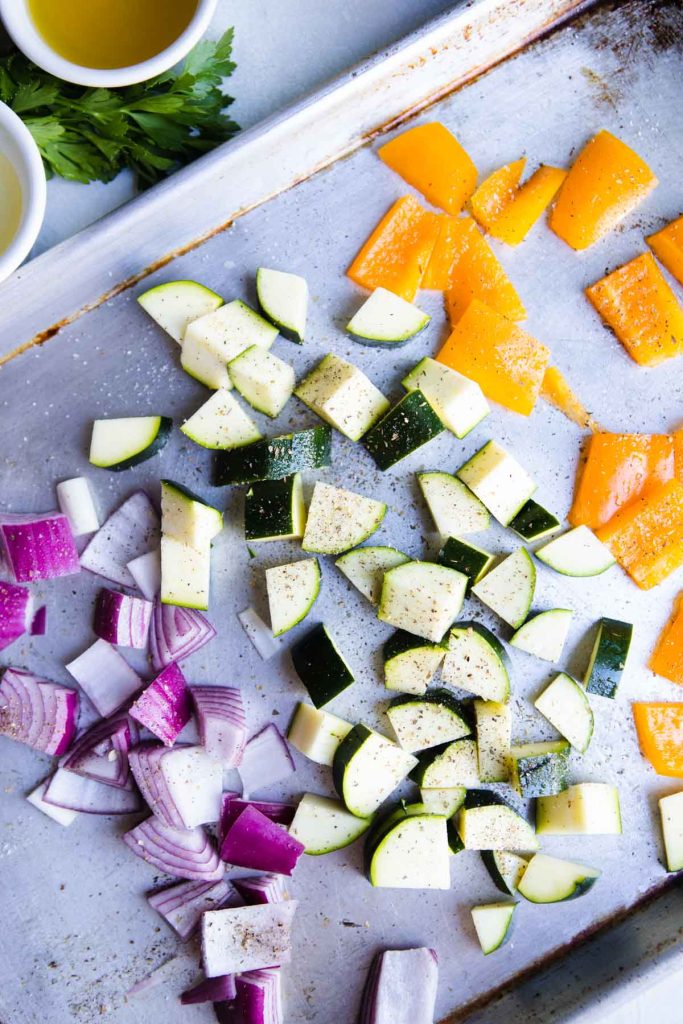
(10, 202)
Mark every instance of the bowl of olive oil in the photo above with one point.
(22, 191)
(106, 42)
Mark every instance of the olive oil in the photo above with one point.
(10, 202)
(110, 33)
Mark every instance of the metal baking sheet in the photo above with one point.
(77, 932)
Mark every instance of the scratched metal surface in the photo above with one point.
(76, 932)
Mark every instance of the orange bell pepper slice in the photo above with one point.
(476, 273)
(606, 181)
(646, 537)
(667, 658)
(557, 391)
(660, 733)
(667, 245)
(506, 362)
(432, 160)
(495, 192)
(639, 306)
(618, 469)
(398, 251)
(527, 205)
(678, 454)
(438, 273)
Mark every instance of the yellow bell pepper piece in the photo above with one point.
(495, 192)
(432, 160)
(667, 245)
(476, 273)
(530, 201)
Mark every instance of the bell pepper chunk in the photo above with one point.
(646, 537)
(678, 454)
(398, 251)
(618, 469)
(506, 362)
(667, 245)
(527, 205)
(438, 273)
(660, 734)
(432, 160)
(667, 658)
(605, 183)
(476, 273)
(495, 192)
(557, 391)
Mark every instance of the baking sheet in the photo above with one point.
(76, 929)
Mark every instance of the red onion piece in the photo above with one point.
(182, 786)
(77, 793)
(261, 889)
(37, 712)
(39, 622)
(401, 986)
(16, 607)
(143, 761)
(266, 760)
(240, 939)
(101, 753)
(254, 841)
(232, 806)
(212, 990)
(176, 633)
(146, 571)
(122, 620)
(222, 722)
(38, 547)
(129, 532)
(261, 635)
(164, 707)
(259, 997)
(184, 853)
(75, 500)
(182, 905)
(61, 815)
(105, 676)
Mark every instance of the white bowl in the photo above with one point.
(16, 143)
(18, 22)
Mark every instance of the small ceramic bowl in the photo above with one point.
(18, 22)
(16, 143)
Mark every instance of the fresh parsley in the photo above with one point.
(152, 128)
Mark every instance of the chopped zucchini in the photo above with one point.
(476, 661)
(427, 721)
(215, 339)
(671, 811)
(365, 568)
(324, 825)
(540, 769)
(492, 924)
(123, 443)
(454, 509)
(494, 728)
(185, 574)
(422, 598)
(367, 769)
(293, 589)
(576, 553)
(410, 663)
(508, 590)
(545, 634)
(274, 457)
(443, 801)
(495, 827)
(608, 658)
(469, 559)
(533, 522)
(505, 869)
(410, 424)
(339, 519)
(498, 480)
(458, 401)
(187, 517)
(262, 379)
(343, 396)
(450, 766)
(386, 318)
(275, 510)
(411, 852)
(221, 423)
(316, 733)
(174, 304)
(283, 298)
(551, 880)
(320, 665)
(565, 704)
(586, 809)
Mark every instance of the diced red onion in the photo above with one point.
(105, 676)
(37, 712)
(39, 622)
(261, 635)
(182, 786)
(101, 753)
(182, 905)
(184, 853)
(261, 889)
(61, 815)
(258, 1001)
(16, 610)
(75, 500)
(212, 990)
(401, 986)
(232, 806)
(122, 620)
(159, 975)
(254, 841)
(129, 532)
(165, 706)
(176, 633)
(146, 571)
(222, 722)
(240, 939)
(38, 547)
(78, 793)
(143, 761)
(266, 760)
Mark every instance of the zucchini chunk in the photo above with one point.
(671, 811)
(565, 704)
(495, 827)
(215, 339)
(551, 880)
(343, 396)
(339, 519)
(476, 661)
(458, 401)
(608, 658)
(410, 663)
(533, 521)
(453, 507)
(505, 869)
(494, 728)
(283, 299)
(508, 590)
(586, 809)
(443, 801)
(320, 666)
(316, 734)
(386, 318)
(185, 574)
(540, 769)
(576, 553)
(545, 634)
(174, 304)
(273, 457)
(365, 568)
(498, 480)
(123, 443)
(187, 517)
(451, 766)
(292, 589)
(262, 379)
(275, 510)
(422, 598)
(367, 769)
(324, 825)
(412, 854)
(428, 721)
(410, 424)
(493, 923)
(221, 423)
(466, 558)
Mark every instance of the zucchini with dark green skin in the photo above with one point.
(533, 521)
(476, 661)
(448, 766)
(405, 428)
(119, 444)
(275, 510)
(273, 457)
(429, 720)
(540, 769)
(320, 666)
(367, 768)
(505, 869)
(410, 662)
(608, 658)
(466, 558)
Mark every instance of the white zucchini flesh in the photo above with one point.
(340, 519)
(492, 923)
(343, 396)
(422, 598)
(545, 634)
(671, 811)
(187, 519)
(185, 574)
(458, 401)
(565, 704)
(494, 737)
(118, 440)
(508, 589)
(365, 568)
(75, 500)
(176, 303)
(316, 733)
(292, 591)
(214, 340)
(412, 671)
(586, 809)
(238, 939)
(456, 766)
(505, 868)
(221, 423)
(576, 553)
(413, 855)
(283, 297)
(472, 664)
(551, 880)
(263, 379)
(386, 317)
(324, 825)
(498, 481)
(495, 827)
(456, 511)
(195, 784)
(446, 802)
(373, 773)
(419, 725)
